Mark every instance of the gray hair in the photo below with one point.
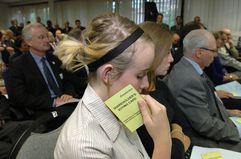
(196, 39)
(27, 33)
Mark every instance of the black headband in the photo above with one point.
(116, 51)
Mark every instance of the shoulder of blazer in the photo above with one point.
(53, 60)
(20, 60)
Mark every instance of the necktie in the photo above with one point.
(209, 82)
(211, 86)
(50, 79)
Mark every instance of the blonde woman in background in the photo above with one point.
(162, 39)
(117, 53)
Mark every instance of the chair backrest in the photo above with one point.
(39, 146)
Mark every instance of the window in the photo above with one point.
(169, 8)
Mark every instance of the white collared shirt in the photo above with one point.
(92, 131)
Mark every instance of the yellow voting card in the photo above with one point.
(124, 105)
(212, 155)
(239, 120)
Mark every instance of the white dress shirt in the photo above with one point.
(92, 131)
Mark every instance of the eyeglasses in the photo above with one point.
(214, 51)
(41, 37)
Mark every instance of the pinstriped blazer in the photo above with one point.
(92, 131)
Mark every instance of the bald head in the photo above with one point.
(176, 38)
(227, 31)
(200, 46)
(198, 39)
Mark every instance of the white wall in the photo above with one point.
(215, 14)
(70, 10)
(125, 9)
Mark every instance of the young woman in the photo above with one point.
(116, 53)
(163, 58)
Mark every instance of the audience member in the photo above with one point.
(50, 26)
(162, 39)
(197, 20)
(52, 42)
(67, 28)
(218, 75)
(97, 133)
(189, 27)
(227, 55)
(57, 27)
(8, 45)
(38, 83)
(215, 71)
(195, 94)
(229, 46)
(38, 20)
(177, 51)
(159, 20)
(78, 25)
(79, 78)
(15, 28)
(21, 47)
(177, 28)
(58, 36)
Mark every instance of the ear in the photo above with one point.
(198, 53)
(106, 73)
(28, 42)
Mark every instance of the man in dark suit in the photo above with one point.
(196, 96)
(159, 20)
(38, 83)
(78, 25)
(67, 28)
(177, 28)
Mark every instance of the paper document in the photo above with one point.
(237, 123)
(124, 105)
(213, 153)
(232, 87)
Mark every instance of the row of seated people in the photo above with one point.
(36, 84)
(12, 45)
(17, 28)
(195, 96)
(226, 64)
(28, 78)
(204, 117)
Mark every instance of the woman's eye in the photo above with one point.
(140, 76)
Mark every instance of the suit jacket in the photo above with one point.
(28, 90)
(207, 115)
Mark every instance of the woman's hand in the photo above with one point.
(157, 124)
(178, 134)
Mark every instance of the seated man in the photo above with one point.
(194, 93)
(38, 83)
(228, 54)
(229, 46)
